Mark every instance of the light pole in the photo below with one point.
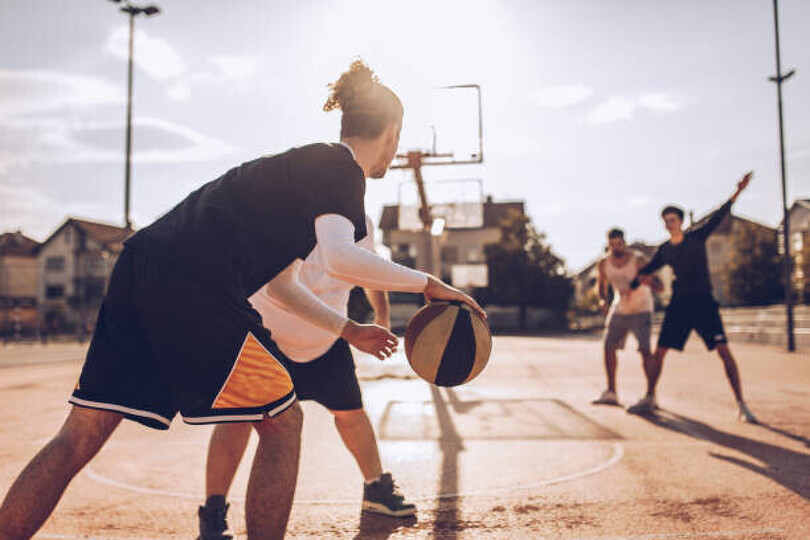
(786, 240)
(132, 11)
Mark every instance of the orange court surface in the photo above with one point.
(518, 453)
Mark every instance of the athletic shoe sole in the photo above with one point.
(612, 402)
(378, 508)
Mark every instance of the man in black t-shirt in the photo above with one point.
(692, 305)
(176, 332)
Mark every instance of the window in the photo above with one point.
(54, 291)
(798, 242)
(68, 236)
(450, 254)
(55, 264)
(475, 255)
(404, 254)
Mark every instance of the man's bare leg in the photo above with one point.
(610, 369)
(225, 451)
(732, 372)
(357, 433)
(38, 488)
(274, 474)
(609, 397)
(652, 370)
(653, 364)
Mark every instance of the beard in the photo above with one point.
(379, 171)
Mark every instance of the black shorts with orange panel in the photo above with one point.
(164, 344)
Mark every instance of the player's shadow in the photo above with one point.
(798, 438)
(378, 527)
(787, 467)
(445, 521)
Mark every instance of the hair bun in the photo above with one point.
(351, 87)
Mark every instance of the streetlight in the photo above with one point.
(786, 240)
(132, 11)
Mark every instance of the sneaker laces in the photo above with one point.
(217, 518)
(393, 488)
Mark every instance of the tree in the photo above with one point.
(523, 270)
(755, 272)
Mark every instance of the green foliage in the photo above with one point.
(523, 270)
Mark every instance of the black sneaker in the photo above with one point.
(383, 497)
(214, 523)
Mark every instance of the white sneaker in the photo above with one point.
(745, 414)
(645, 405)
(608, 397)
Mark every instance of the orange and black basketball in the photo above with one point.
(447, 344)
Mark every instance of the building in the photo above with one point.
(799, 215)
(76, 262)
(456, 253)
(19, 283)
(729, 247)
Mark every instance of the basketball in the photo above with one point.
(447, 344)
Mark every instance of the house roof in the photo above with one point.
(108, 236)
(16, 243)
(494, 212)
(725, 225)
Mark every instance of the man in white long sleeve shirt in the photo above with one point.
(322, 370)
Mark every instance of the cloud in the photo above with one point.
(153, 55)
(622, 108)
(27, 92)
(615, 109)
(562, 95)
(19, 204)
(235, 72)
(237, 68)
(158, 59)
(639, 201)
(56, 141)
(658, 101)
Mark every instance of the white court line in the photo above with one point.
(618, 453)
(653, 536)
(709, 534)
(70, 537)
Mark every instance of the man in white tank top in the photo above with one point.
(631, 310)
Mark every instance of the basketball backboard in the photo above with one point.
(446, 130)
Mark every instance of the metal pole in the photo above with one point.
(128, 166)
(791, 340)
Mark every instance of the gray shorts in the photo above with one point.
(618, 326)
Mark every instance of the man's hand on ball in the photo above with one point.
(371, 339)
(438, 290)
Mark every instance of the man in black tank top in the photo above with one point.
(692, 305)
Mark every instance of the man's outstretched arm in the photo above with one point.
(707, 228)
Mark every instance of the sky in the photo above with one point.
(596, 113)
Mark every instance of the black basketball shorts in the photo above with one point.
(687, 313)
(330, 379)
(165, 343)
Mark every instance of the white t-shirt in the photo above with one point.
(299, 339)
(627, 301)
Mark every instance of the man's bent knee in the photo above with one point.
(289, 421)
(351, 416)
(86, 430)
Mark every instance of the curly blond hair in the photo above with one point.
(368, 106)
